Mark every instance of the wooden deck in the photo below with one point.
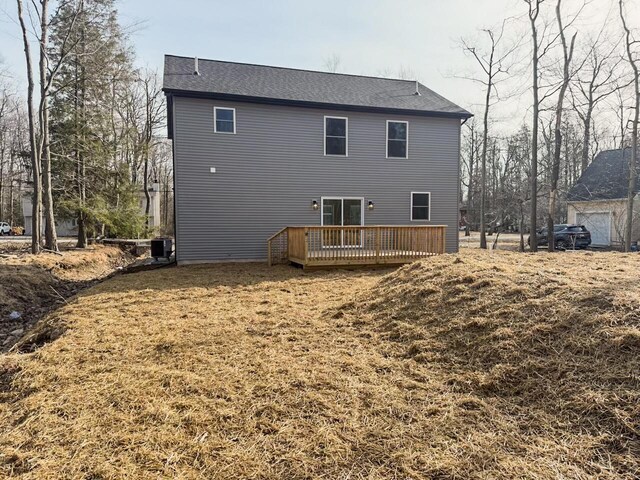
(327, 246)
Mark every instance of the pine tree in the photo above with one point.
(86, 134)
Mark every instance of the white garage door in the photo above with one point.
(599, 224)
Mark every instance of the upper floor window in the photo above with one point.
(335, 136)
(420, 206)
(397, 139)
(225, 119)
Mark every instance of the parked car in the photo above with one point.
(5, 228)
(565, 236)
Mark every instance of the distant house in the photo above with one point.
(258, 148)
(599, 199)
(69, 227)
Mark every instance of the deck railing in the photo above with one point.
(355, 245)
(278, 247)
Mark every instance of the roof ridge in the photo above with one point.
(613, 150)
(298, 69)
(284, 84)
(606, 177)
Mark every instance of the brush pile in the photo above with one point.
(546, 348)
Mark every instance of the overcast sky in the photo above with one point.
(369, 36)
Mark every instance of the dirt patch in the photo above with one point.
(32, 285)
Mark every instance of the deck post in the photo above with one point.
(269, 253)
(377, 244)
(306, 244)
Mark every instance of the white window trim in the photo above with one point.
(346, 138)
(411, 211)
(387, 138)
(322, 199)
(215, 119)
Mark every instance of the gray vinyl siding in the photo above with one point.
(268, 173)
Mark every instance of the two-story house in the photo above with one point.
(258, 148)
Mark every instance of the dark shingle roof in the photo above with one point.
(607, 178)
(288, 85)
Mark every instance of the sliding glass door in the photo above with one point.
(342, 211)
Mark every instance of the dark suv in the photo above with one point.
(566, 236)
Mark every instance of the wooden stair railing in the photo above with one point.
(278, 247)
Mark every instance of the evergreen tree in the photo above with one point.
(88, 134)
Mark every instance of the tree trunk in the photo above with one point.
(36, 212)
(51, 238)
(81, 114)
(533, 14)
(521, 227)
(147, 145)
(555, 166)
(632, 175)
(485, 136)
(483, 170)
(634, 136)
(472, 161)
(586, 141)
(147, 196)
(2, 204)
(11, 199)
(3, 151)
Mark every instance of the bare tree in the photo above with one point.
(469, 161)
(44, 148)
(36, 219)
(493, 65)
(629, 44)
(534, 12)
(12, 167)
(153, 118)
(567, 52)
(599, 82)
(407, 73)
(39, 135)
(332, 63)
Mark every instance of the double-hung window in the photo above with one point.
(397, 139)
(336, 131)
(420, 206)
(224, 120)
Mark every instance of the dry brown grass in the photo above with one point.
(538, 356)
(464, 366)
(506, 241)
(76, 265)
(22, 245)
(34, 284)
(26, 278)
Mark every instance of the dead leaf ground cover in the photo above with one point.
(463, 366)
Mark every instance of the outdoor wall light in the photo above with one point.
(314, 204)
(370, 205)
